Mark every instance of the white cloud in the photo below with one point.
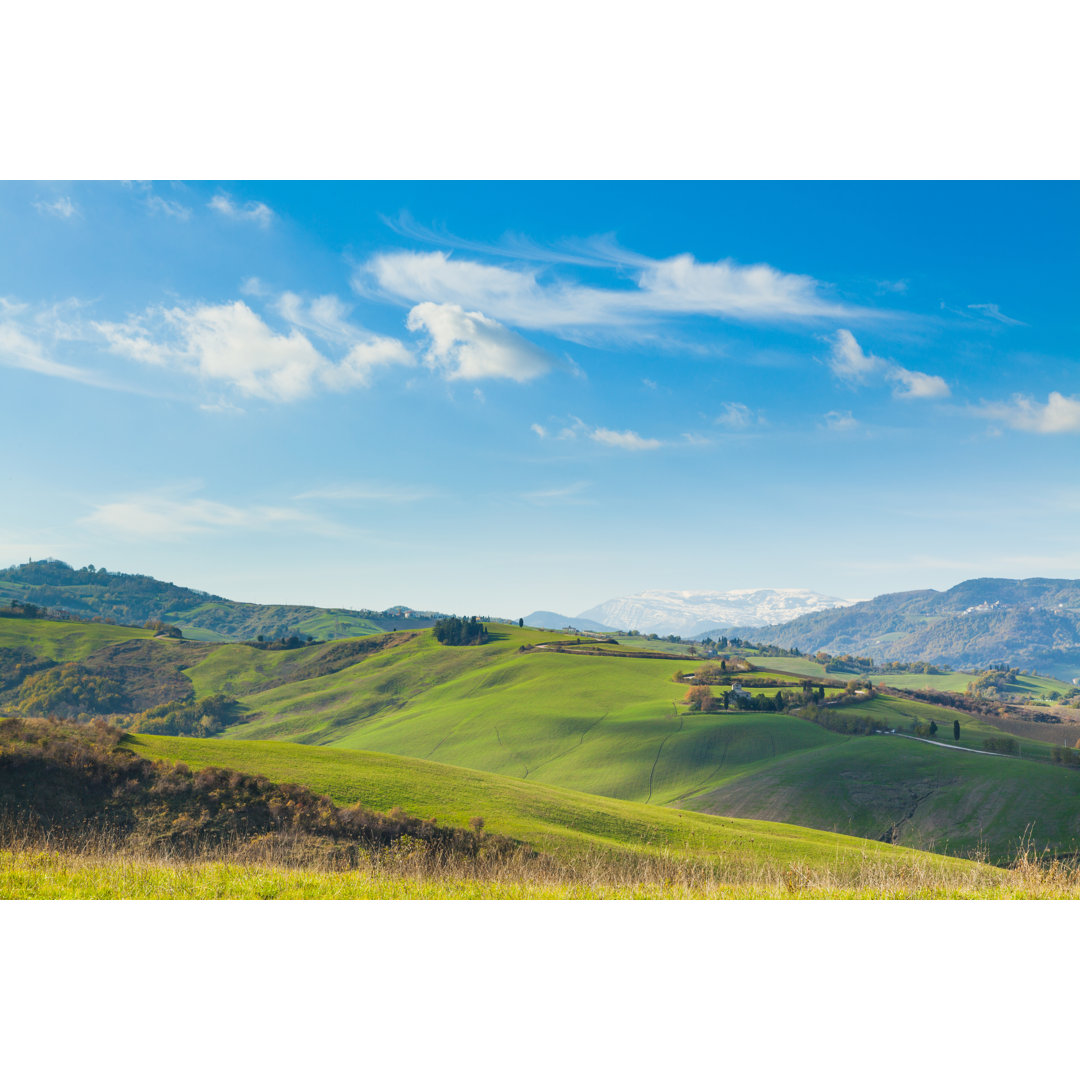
(917, 384)
(992, 311)
(27, 339)
(893, 286)
(624, 440)
(158, 205)
(469, 345)
(839, 421)
(163, 518)
(230, 343)
(851, 364)
(255, 212)
(678, 285)
(62, 207)
(1060, 415)
(735, 415)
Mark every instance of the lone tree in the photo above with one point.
(956, 730)
(521, 623)
(933, 730)
(700, 698)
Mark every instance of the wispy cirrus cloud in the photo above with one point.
(624, 440)
(570, 495)
(61, 207)
(163, 517)
(577, 428)
(256, 213)
(835, 420)
(852, 365)
(735, 416)
(992, 311)
(525, 293)
(1058, 415)
(158, 204)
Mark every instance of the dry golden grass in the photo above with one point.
(33, 867)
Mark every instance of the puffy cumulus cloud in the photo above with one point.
(256, 213)
(230, 343)
(161, 517)
(623, 440)
(468, 345)
(525, 295)
(851, 364)
(1060, 414)
(916, 384)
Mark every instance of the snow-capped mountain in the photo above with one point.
(689, 613)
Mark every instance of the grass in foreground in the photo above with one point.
(405, 875)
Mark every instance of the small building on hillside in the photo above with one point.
(738, 690)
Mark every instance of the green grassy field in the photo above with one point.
(610, 726)
(64, 640)
(914, 793)
(551, 819)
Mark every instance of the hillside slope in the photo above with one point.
(135, 598)
(548, 818)
(610, 724)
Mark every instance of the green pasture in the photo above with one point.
(64, 641)
(550, 819)
(915, 793)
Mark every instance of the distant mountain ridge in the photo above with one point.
(689, 613)
(137, 598)
(1030, 622)
(552, 620)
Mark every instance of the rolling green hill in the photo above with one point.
(136, 598)
(610, 725)
(551, 819)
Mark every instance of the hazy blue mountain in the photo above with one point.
(1034, 622)
(551, 620)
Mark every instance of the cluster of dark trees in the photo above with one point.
(700, 698)
(70, 691)
(292, 641)
(865, 665)
(456, 631)
(843, 722)
(201, 719)
(21, 609)
(1068, 756)
(980, 706)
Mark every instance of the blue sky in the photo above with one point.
(501, 397)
